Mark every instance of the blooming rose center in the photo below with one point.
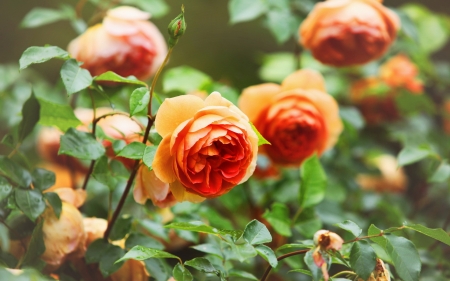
(216, 161)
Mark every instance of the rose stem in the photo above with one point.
(133, 173)
(94, 126)
(269, 268)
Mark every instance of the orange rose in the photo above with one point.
(63, 237)
(208, 146)
(125, 43)
(400, 72)
(375, 100)
(148, 186)
(349, 32)
(298, 118)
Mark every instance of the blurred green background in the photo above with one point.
(229, 53)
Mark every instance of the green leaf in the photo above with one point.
(42, 16)
(158, 269)
(409, 104)
(14, 172)
(54, 201)
(267, 254)
(352, 116)
(208, 248)
(351, 227)
(409, 155)
(442, 174)
(96, 250)
(363, 259)
(5, 188)
(121, 227)
(261, 139)
(149, 155)
(313, 182)
(304, 271)
(135, 239)
(58, 115)
(36, 247)
(315, 271)
(157, 8)
(199, 226)
(155, 228)
(81, 145)
(141, 253)
(74, 77)
(242, 252)
(30, 117)
(203, 265)
(43, 179)
(275, 67)
(181, 273)
(381, 240)
(108, 264)
(256, 233)
(296, 246)
(404, 257)
(134, 150)
(139, 100)
(246, 10)
(30, 202)
(436, 233)
(35, 54)
(279, 219)
(8, 140)
(282, 24)
(110, 76)
(184, 79)
(241, 274)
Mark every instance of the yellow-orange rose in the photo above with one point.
(208, 146)
(63, 237)
(148, 186)
(349, 32)
(125, 43)
(297, 117)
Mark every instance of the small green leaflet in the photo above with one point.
(141, 253)
(110, 76)
(351, 227)
(313, 182)
(363, 259)
(256, 233)
(81, 145)
(74, 77)
(261, 139)
(35, 54)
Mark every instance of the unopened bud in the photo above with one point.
(177, 27)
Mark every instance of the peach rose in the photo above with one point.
(94, 229)
(63, 237)
(297, 117)
(125, 43)
(75, 197)
(148, 186)
(349, 32)
(400, 72)
(208, 146)
(392, 179)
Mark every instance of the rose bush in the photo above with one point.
(297, 117)
(349, 32)
(125, 43)
(208, 146)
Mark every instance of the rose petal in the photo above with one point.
(163, 162)
(180, 193)
(175, 111)
(304, 79)
(254, 99)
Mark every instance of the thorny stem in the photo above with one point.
(134, 171)
(282, 257)
(382, 233)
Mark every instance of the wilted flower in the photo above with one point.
(208, 146)
(148, 186)
(379, 274)
(392, 178)
(328, 240)
(400, 72)
(63, 237)
(125, 43)
(349, 32)
(298, 118)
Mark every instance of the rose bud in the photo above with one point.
(148, 186)
(125, 43)
(392, 179)
(400, 72)
(64, 237)
(375, 100)
(328, 240)
(298, 118)
(208, 146)
(349, 32)
(177, 28)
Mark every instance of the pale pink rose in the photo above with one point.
(125, 43)
(148, 186)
